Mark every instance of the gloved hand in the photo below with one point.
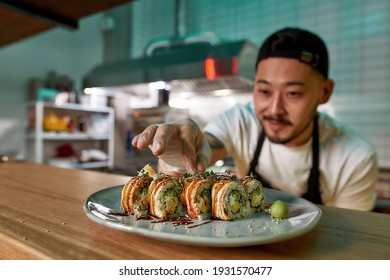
(180, 146)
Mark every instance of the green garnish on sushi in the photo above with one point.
(171, 201)
(255, 198)
(234, 201)
(205, 201)
(144, 191)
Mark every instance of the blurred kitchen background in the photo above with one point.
(79, 90)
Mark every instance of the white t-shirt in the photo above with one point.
(348, 162)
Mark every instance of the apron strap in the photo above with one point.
(313, 190)
(255, 159)
(252, 169)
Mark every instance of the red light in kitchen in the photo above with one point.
(220, 67)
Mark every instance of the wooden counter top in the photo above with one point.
(41, 217)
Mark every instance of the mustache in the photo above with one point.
(277, 119)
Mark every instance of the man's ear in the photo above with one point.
(327, 91)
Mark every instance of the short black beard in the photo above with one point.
(287, 122)
(278, 119)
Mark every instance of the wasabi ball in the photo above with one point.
(279, 210)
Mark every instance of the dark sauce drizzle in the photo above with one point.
(201, 224)
(148, 218)
(189, 223)
(118, 213)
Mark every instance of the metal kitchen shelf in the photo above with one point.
(68, 136)
(82, 165)
(40, 137)
(70, 106)
(92, 165)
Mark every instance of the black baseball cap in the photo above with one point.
(296, 43)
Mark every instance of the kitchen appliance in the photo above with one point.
(188, 63)
(180, 66)
(199, 67)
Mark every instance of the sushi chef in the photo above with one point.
(280, 137)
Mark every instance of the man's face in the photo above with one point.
(286, 95)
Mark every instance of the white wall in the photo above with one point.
(71, 53)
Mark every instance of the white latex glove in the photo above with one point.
(180, 146)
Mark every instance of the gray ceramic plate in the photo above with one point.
(103, 207)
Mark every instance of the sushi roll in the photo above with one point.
(229, 198)
(196, 196)
(164, 197)
(135, 195)
(255, 193)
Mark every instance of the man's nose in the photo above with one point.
(276, 106)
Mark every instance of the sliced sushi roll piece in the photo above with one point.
(135, 195)
(229, 199)
(164, 197)
(255, 193)
(196, 196)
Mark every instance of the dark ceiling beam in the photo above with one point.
(39, 13)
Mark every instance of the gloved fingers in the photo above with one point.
(202, 150)
(165, 136)
(188, 155)
(190, 134)
(180, 146)
(203, 156)
(145, 138)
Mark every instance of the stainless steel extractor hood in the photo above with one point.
(196, 67)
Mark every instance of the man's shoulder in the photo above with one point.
(240, 117)
(239, 113)
(245, 108)
(336, 132)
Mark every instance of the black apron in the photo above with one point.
(313, 188)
